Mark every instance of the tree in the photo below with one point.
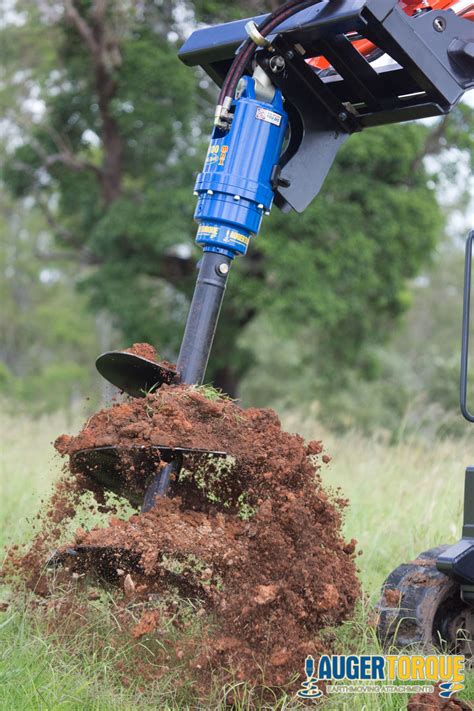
(111, 163)
(47, 337)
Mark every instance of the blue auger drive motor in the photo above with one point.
(235, 188)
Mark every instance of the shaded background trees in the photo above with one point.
(103, 133)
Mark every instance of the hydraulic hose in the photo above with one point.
(247, 50)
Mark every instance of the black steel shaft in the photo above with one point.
(202, 318)
(196, 346)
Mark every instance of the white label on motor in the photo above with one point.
(268, 116)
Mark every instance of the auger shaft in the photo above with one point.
(196, 346)
(235, 190)
(203, 317)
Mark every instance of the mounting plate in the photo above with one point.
(427, 71)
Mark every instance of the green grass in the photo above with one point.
(210, 392)
(404, 499)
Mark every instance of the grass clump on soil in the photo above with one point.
(210, 392)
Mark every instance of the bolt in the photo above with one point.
(210, 192)
(195, 193)
(260, 206)
(290, 54)
(267, 212)
(223, 269)
(439, 23)
(277, 64)
(236, 197)
(343, 116)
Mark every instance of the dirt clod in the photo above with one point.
(433, 702)
(144, 350)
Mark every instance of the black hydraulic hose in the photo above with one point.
(247, 50)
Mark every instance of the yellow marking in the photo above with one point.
(208, 230)
(237, 237)
(224, 152)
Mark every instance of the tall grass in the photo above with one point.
(403, 499)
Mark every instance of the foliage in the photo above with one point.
(110, 160)
(409, 385)
(48, 340)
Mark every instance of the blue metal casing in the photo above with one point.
(235, 188)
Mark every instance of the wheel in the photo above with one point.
(422, 607)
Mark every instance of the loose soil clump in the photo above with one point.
(433, 702)
(145, 350)
(252, 537)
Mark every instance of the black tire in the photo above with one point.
(421, 607)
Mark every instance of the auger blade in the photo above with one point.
(128, 471)
(133, 374)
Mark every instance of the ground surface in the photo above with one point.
(405, 498)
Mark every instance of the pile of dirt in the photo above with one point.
(433, 702)
(253, 537)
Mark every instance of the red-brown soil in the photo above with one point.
(145, 350)
(254, 539)
(433, 702)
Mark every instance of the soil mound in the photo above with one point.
(433, 702)
(252, 537)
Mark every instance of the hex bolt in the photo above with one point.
(439, 23)
(290, 54)
(236, 197)
(260, 206)
(210, 192)
(343, 116)
(222, 269)
(277, 64)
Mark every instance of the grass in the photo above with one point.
(404, 499)
(210, 392)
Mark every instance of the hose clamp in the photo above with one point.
(256, 37)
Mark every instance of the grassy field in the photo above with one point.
(404, 499)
